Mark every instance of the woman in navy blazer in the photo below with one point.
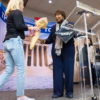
(64, 63)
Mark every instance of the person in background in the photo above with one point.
(13, 46)
(63, 59)
(85, 61)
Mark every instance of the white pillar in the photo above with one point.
(32, 58)
(26, 58)
(43, 64)
(37, 50)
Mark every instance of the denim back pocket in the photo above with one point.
(9, 45)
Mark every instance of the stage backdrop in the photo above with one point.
(38, 62)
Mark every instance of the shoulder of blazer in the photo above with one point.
(53, 28)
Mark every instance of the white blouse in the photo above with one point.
(91, 54)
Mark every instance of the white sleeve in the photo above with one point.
(92, 54)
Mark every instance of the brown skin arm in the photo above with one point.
(42, 41)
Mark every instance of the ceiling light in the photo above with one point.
(87, 14)
(50, 1)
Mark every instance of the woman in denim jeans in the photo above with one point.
(13, 46)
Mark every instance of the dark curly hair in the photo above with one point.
(25, 2)
(91, 43)
(61, 13)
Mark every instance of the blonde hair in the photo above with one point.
(12, 5)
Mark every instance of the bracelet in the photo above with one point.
(31, 28)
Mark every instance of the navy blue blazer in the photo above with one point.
(52, 38)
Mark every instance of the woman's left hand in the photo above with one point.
(70, 25)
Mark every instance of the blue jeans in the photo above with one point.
(14, 52)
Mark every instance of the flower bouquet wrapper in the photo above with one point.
(42, 23)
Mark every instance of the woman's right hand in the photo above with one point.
(42, 41)
(35, 28)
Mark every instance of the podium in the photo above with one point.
(86, 21)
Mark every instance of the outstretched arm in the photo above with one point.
(49, 40)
